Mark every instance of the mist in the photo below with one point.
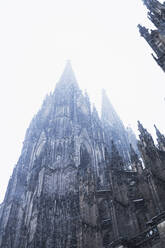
(106, 51)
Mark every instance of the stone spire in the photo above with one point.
(155, 38)
(146, 144)
(160, 139)
(145, 136)
(155, 9)
(68, 76)
(66, 95)
(114, 126)
(108, 113)
(51, 192)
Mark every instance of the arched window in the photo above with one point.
(84, 157)
(104, 210)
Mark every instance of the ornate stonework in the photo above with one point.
(155, 37)
(79, 184)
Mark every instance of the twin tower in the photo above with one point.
(79, 183)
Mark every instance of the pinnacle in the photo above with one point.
(140, 126)
(141, 129)
(68, 76)
(158, 133)
(108, 113)
(150, 3)
(157, 130)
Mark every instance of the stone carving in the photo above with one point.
(155, 38)
(79, 184)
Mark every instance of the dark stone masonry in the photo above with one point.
(155, 37)
(82, 181)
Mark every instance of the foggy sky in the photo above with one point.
(101, 39)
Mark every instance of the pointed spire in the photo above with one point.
(153, 5)
(158, 133)
(160, 139)
(144, 32)
(148, 3)
(68, 76)
(141, 129)
(156, 14)
(146, 143)
(145, 135)
(115, 127)
(108, 113)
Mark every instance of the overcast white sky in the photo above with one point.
(101, 39)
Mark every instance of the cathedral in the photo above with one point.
(84, 181)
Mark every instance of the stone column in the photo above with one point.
(114, 220)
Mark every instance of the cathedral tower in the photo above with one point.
(78, 183)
